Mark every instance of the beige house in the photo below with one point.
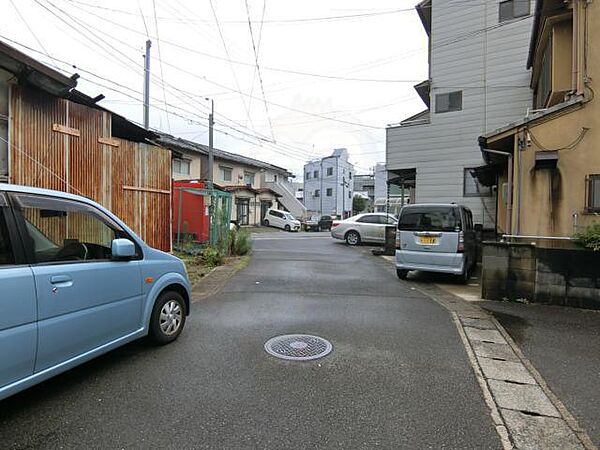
(547, 166)
(253, 184)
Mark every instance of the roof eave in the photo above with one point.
(33, 72)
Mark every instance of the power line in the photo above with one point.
(260, 30)
(143, 19)
(219, 84)
(286, 149)
(257, 66)
(272, 21)
(275, 69)
(162, 77)
(237, 84)
(14, 5)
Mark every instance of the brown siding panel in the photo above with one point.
(48, 159)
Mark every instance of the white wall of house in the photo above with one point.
(380, 181)
(331, 190)
(470, 52)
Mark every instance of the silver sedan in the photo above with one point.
(368, 227)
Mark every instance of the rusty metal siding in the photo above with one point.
(132, 179)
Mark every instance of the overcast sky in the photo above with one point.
(358, 62)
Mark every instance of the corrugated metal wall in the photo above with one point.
(131, 179)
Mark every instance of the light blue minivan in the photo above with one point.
(76, 282)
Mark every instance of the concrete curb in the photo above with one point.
(215, 280)
(487, 394)
(525, 412)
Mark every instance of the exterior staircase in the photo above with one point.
(288, 198)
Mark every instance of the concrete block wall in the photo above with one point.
(559, 276)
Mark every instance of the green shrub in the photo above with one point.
(211, 257)
(242, 243)
(589, 237)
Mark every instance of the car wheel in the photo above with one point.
(402, 274)
(266, 222)
(287, 228)
(352, 238)
(168, 318)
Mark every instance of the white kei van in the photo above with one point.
(281, 219)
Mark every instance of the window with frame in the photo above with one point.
(226, 173)
(60, 230)
(593, 190)
(248, 177)
(308, 175)
(544, 84)
(349, 194)
(448, 102)
(512, 9)
(429, 218)
(329, 192)
(387, 220)
(350, 175)
(370, 219)
(316, 174)
(472, 187)
(329, 171)
(181, 166)
(6, 253)
(317, 193)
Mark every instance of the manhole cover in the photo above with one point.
(298, 347)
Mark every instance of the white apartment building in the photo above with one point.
(328, 185)
(477, 82)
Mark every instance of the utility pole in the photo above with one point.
(343, 197)
(211, 123)
(147, 85)
(211, 208)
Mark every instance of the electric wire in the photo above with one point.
(237, 84)
(162, 77)
(257, 67)
(14, 5)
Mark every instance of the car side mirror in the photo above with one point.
(122, 249)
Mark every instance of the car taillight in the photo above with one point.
(334, 224)
(461, 243)
(398, 239)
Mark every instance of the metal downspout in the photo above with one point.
(575, 57)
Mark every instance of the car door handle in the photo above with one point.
(61, 280)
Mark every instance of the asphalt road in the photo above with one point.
(398, 377)
(564, 346)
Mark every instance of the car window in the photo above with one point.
(430, 219)
(388, 220)
(369, 219)
(6, 253)
(64, 230)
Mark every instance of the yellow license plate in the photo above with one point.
(428, 240)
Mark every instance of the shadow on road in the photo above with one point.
(73, 378)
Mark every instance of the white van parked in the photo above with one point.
(281, 219)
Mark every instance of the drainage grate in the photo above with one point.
(298, 347)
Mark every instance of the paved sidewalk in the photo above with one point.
(564, 345)
(525, 399)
